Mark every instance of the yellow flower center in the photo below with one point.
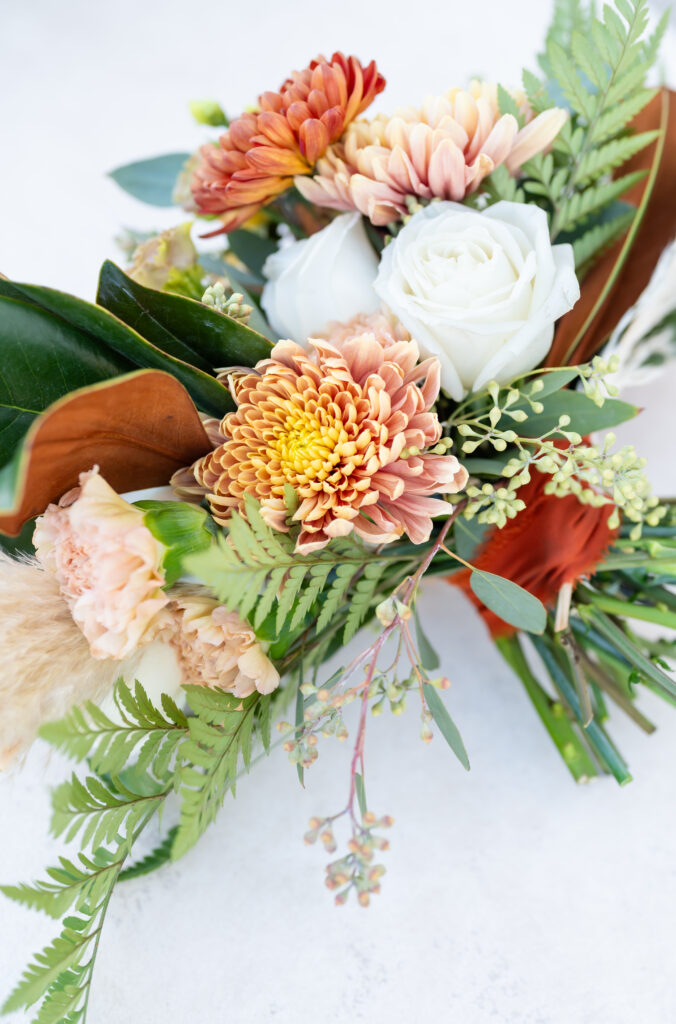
(304, 441)
(303, 445)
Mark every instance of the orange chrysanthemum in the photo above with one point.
(551, 542)
(333, 425)
(260, 153)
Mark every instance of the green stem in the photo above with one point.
(552, 713)
(628, 610)
(601, 743)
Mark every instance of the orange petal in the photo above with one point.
(270, 160)
(314, 138)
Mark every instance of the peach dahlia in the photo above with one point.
(347, 425)
(442, 150)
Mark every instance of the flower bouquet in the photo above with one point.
(397, 355)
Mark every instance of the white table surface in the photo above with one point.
(511, 894)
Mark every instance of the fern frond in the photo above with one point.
(501, 185)
(362, 598)
(61, 957)
(568, 16)
(568, 78)
(64, 1002)
(256, 569)
(100, 812)
(598, 162)
(618, 116)
(114, 809)
(582, 204)
(69, 884)
(221, 735)
(599, 65)
(153, 860)
(88, 733)
(536, 92)
(593, 242)
(652, 44)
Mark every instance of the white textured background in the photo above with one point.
(511, 895)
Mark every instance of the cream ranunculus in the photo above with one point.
(481, 291)
(326, 277)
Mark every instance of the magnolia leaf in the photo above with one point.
(152, 181)
(43, 359)
(138, 429)
(187, 329)
(509, 601)
(116, 343)
(447, 726)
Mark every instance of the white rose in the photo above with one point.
(326, 277)
(481, 291)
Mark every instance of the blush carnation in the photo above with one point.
(107, 563)
(346, 426)
(442, 150)
(216, 648)
(257, 157)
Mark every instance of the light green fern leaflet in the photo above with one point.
(221, 739)
(255, 570)
(599, 68)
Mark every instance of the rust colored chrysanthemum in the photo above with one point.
(347, 427)
(442, 150)
(551, 542)
(258, 156)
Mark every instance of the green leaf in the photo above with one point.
(240, 282)
(361, 793)
(43, 359)
(120, 424)
(600, 742)
(256, 569)
(593, 242)
(594, 198)
(484, 467)
(124, 348)
(585, 416)
(183, 528)
(508, 105)
(509, 601)
(152, 861)
(181, 326)
(251, 249)
(152, 181)
(429, 659)
(552, 713)
(86, 732)
(221, 734)
(468, 535)
(555, 380)
(447, 726)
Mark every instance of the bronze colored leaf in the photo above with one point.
(615, 283)
(138, 429)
